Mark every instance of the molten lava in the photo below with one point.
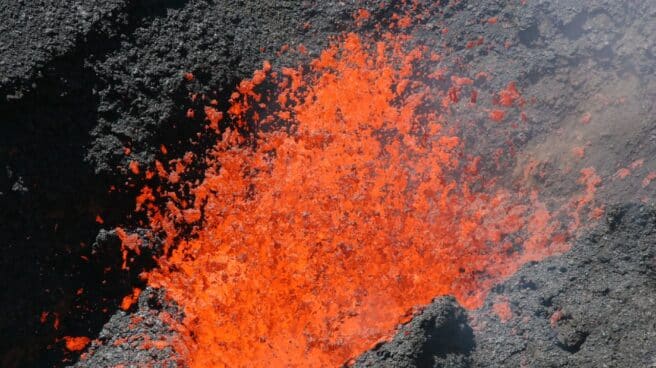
(339, 199)
(76, 343)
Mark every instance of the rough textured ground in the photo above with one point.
(593, 307)
(82, 81)
(34, 33)
(134, 337)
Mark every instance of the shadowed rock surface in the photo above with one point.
(437, 337)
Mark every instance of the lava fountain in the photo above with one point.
(338, 199)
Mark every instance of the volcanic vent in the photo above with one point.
(341, 196)
(416, 184)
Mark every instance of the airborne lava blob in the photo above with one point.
(339, 199)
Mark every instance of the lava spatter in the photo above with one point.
(339, 199)
(76, 343)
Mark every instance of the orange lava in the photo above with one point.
(129, 300)
(579, 152)
(129, 242)
(509, 95)
(648, 179)
(332, 209)
(497, 115)
(623, 173)
(134, 167)
(77, 343)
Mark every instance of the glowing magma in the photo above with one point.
(331, 209)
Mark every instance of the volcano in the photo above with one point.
(370, 184)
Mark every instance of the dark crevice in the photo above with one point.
(438, 337)
(453, 337)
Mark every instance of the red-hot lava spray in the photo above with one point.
(340, 198)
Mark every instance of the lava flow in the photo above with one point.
(339, 199)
